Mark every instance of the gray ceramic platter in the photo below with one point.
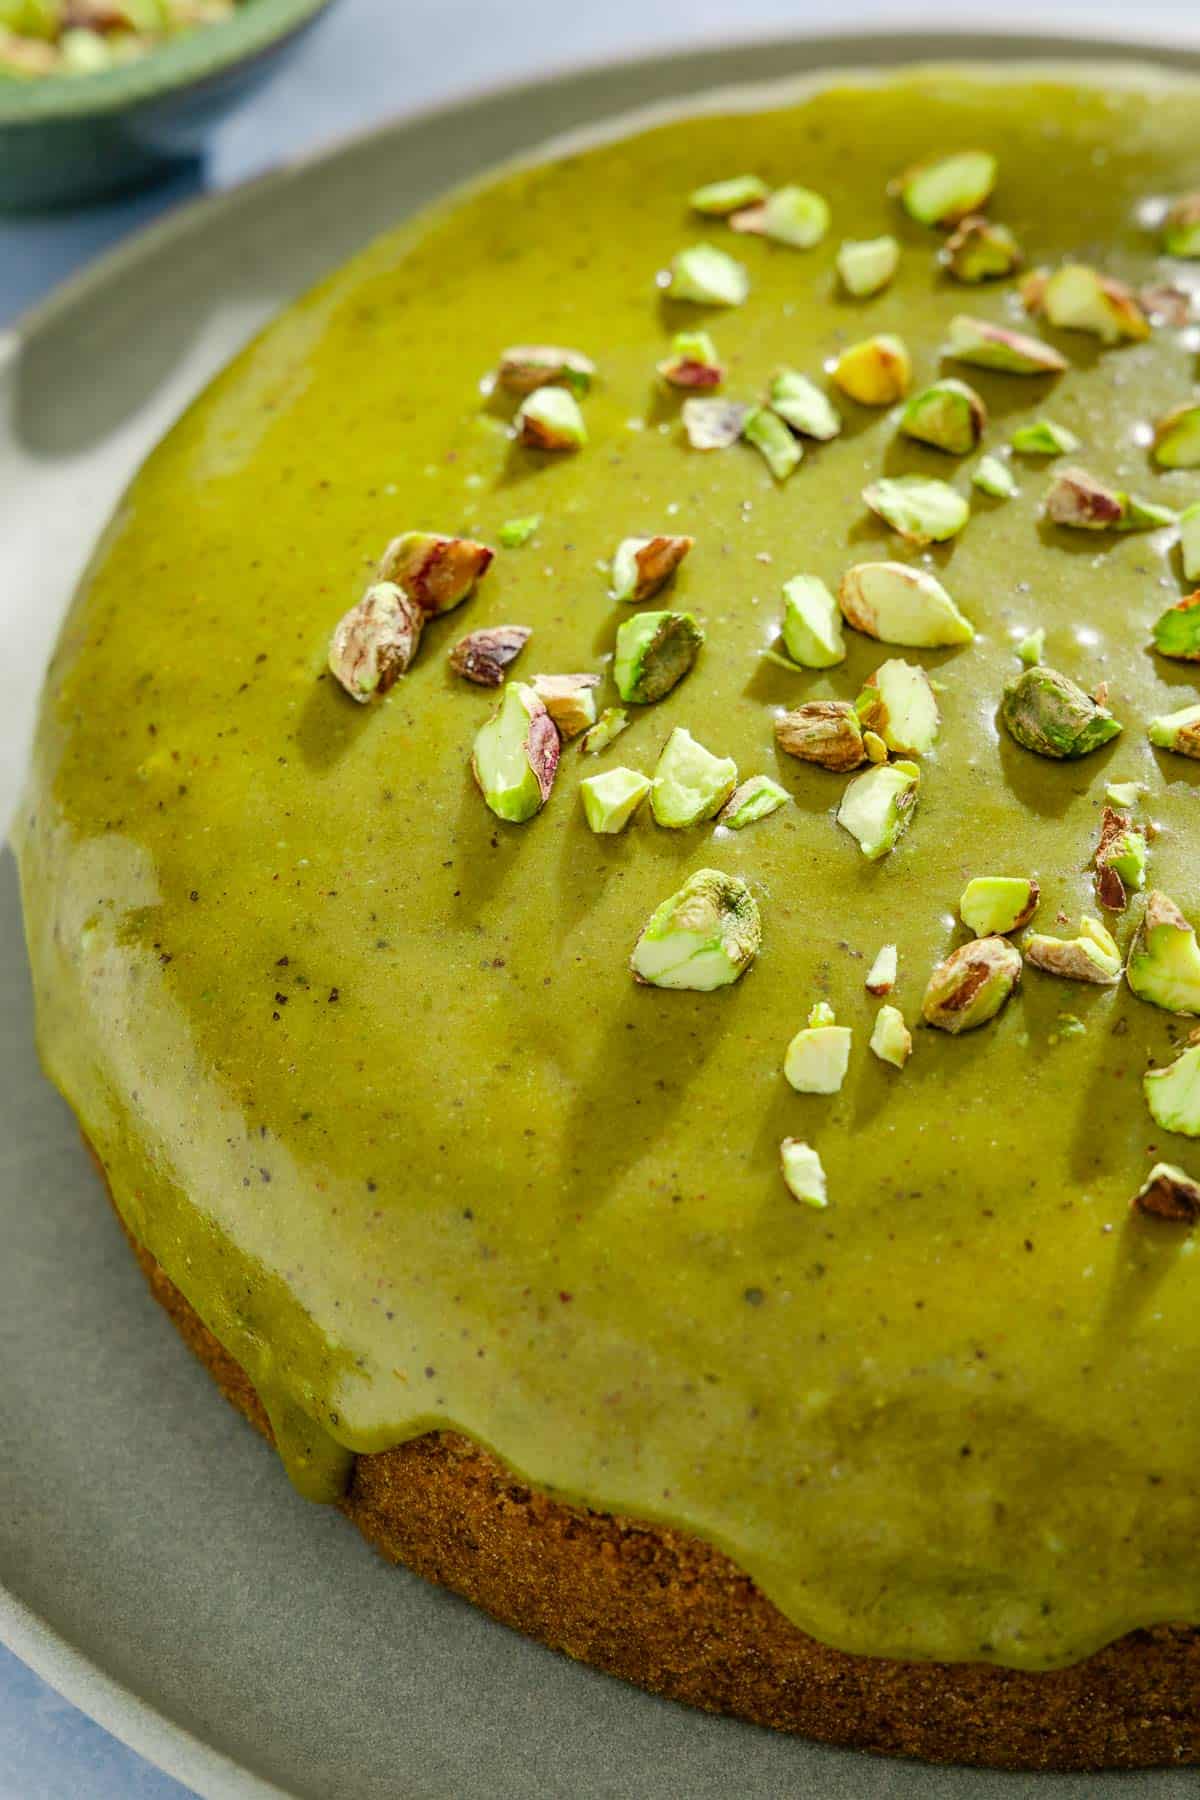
(154, 1564)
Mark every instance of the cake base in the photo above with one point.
(670, 1613)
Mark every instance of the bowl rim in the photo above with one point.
(257, 27)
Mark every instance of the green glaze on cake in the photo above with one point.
(367, 1067)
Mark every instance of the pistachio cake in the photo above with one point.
(611, 873)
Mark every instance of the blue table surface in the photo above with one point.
(366, 60)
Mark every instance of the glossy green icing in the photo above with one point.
(367, 1068)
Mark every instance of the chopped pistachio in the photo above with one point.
(995, 478)
(1181, 227)
(1169, 1192)
(978, 250)
(801, 404)
(642, 567)
(1044, 438)
(877, 806)
(812, 624)
(827, 732)
(1079, 298)
(717, 199)
(690, 783)
(374, 643)
(819, 1055)
(867, 265)
(1077, 499)
(994, 905)
(1032, 647)
(483, 656)
(1119, 860)
(1164, 960)
(1173, 1093)
(1177, 631)
(611, 723)
(790, 215)
(1123, 793)
(1092, 956)
(437, 572)
(1177, 731)
(901, 605)
(550, 419)
(876, 749)
(1144, 515)
(948, 190)
(768, 433)
(875, 372)
(971, 985)
(570, 700)
(693, 362)
(922, 510)
(702, 938)
(821, 1013)
(516, 755)
(515, 532)
(707, 277)
(949, 415)
(881, 976)
(1050, 714)
(891, 1040)
(899, 703)
(803, 1172)
(654, 651)
(611, 799)
(1189, 541)
(1177, 438)
(713, 424)
(993, 347)
(755, 799)
(526, 367)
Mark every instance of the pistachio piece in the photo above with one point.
(706, 276)
(1164, 960)
(1177, 438)
(901, 605)
(1044, 438)
(642, 567)
(550, 419)
(971, 985)
(570, 700)
(877, 806)
(1123, 793)
(702, 938)
(867, 265)
(1079, 298)
(713, 424)
(801, 404)
(876, 749)
(949, 415)
(1050, 714)
(654, 651)
(611, 723)
(875, 372)
(1077, 499)
(898, 702)
(891, 1040)
(374, 643)
(822, 731)
(1189, 541)
(803, 1172)
(1169, 1192)
(995, 478)
(978, 250)
(754, 799)
(920, 509)
(1177, 631)
(993, 347)
(812, 625)
(948, 190)
(791, 215)
(526, 367)
(819, 1055)
(768, 433)
(1144, 515)
(693, 362)
(436, 572)
(1092, 956)
(1032, 647)
(881, 976)
(717, 199)
(1173, 1094)
(994, 905)
(483, 656)
(516, 755)
(1119, 860)
(611, 799)
(515, 532)
(1177, 731)
(1181, 227)
(690, 783)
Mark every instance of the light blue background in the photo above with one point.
(370, 59)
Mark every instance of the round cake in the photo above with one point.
(610, 874)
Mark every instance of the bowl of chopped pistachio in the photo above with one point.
(98, 95)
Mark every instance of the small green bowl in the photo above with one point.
(65, 138)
